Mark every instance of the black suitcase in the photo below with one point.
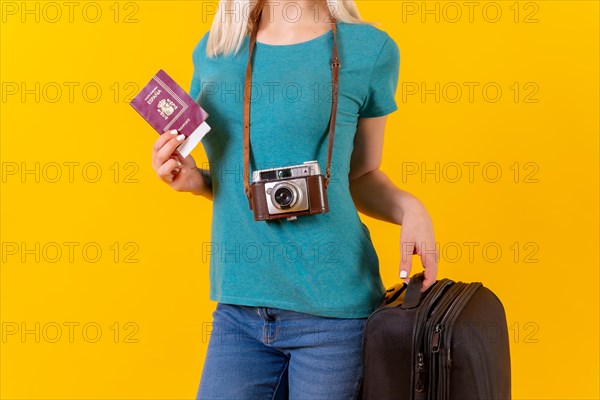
(447, 343)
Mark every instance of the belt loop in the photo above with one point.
(263, 313)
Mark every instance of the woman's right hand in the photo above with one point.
(178, 172)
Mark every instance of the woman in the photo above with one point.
(293, 296)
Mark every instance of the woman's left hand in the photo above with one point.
(417, 237)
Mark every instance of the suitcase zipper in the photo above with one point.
(419, 386)
(453, 312)
(438, 313)
(432, 342)
(449, 320)
(435, 343)
(436, 301)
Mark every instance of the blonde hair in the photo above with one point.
(229, 27)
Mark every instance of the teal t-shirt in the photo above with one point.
(322, 264)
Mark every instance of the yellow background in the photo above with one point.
(160, 303)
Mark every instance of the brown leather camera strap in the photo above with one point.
(335, 65)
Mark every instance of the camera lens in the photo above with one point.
(284, 173)
(283, 196)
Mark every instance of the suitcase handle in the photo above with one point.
(412, 298)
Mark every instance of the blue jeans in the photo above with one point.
(271, 353)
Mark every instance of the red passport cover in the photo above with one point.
(166, 106)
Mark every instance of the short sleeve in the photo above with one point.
(380, 99)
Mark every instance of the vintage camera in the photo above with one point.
(288, 192)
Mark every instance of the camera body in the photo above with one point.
(288, 192)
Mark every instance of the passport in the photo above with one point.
(165, 106)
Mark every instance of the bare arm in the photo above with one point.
(375, 195)
(366, 178)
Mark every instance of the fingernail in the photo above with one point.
(403, 274)
(179, 163)
(173, 132)
(180, 138)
